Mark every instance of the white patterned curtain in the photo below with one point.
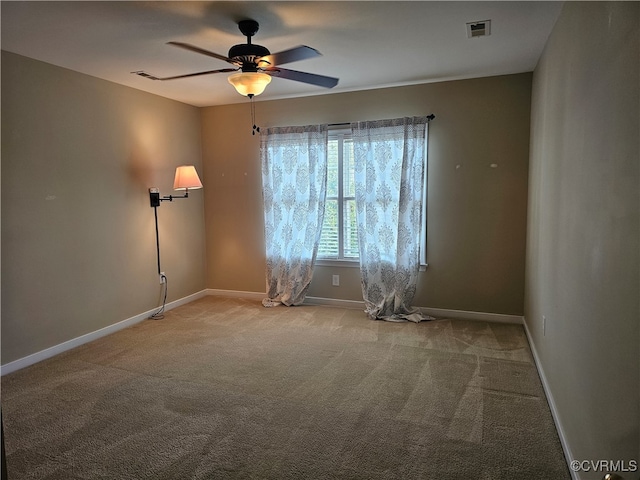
(294, 180)
(390, 160)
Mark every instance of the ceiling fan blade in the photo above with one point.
(304, 77)
(202, 51)
(292, 55)
(144, 74)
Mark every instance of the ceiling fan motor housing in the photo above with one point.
(247, 55)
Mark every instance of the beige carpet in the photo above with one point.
(225, 388)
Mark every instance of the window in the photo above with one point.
(339, 239)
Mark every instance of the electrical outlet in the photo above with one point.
(335, 281)
(544, 325)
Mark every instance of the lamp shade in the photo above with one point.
(186, 178)
(249, 83)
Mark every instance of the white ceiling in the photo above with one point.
(365, 44)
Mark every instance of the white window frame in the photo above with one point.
(340, 134)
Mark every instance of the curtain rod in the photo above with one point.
(344, 124)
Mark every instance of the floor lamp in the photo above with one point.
(186, 179)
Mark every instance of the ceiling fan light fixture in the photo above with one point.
(249, 83)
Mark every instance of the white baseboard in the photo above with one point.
(235, 294)
(335, 302)
(81, 340)
(552, 405)
(467, 315)
(331, 302)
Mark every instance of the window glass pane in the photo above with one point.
(332, 169)
(350, 229)
(348, 169)
(329, 238)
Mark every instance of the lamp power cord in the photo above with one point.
(159, 314)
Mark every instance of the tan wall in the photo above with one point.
(477, 214)
(583, 234)
(78, 235)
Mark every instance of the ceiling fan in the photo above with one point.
(254, 64)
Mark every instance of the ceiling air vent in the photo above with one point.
(479, 29)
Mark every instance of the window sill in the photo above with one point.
(334, 262)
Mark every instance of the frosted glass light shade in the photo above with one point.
(186, 178)
(249, 83)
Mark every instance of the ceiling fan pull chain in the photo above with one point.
(253, 117)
